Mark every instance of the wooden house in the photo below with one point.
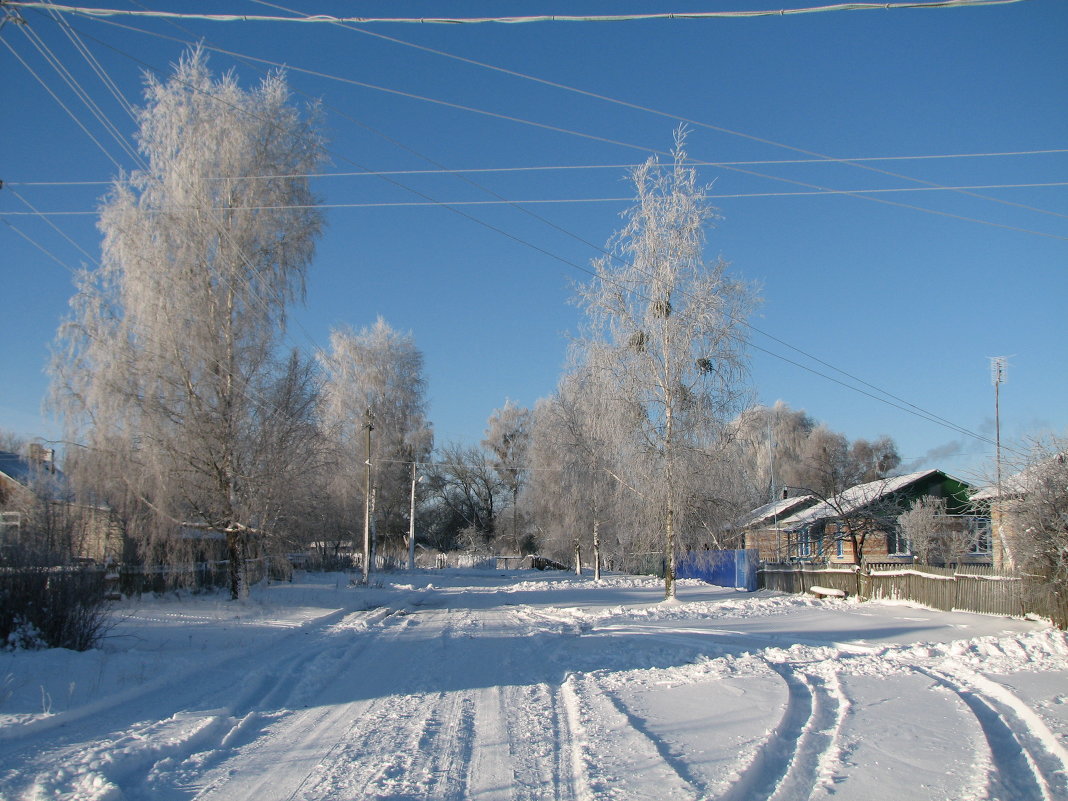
(860, 524)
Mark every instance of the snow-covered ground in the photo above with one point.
(485, 685)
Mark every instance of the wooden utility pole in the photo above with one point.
(369, 426)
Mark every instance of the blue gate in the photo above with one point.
(736, 569)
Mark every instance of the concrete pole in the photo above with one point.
(369, 425)
(411, 522)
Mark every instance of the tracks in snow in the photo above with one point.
(432, 705)
(1028, 763)
(802, 752)
(436, 723)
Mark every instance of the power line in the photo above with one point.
(62, 105)
(517, 239)
(688, 15)
(54, 227)
(543, 201)
(625, 104)
(607, 140)
(576, 167)
(61, 69)
(40, 247)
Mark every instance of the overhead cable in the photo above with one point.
(62, 105)
(645, 109)
(918, 412)
(592, 137)
(678, 15)
(575, 167)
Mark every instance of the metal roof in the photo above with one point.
(782, 508)
(856, 498)
(19, 468)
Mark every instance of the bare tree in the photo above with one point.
(380, 369)
(779, 447)
(167, 362)
(572, 493)
(466, 488)
(666, 332)
(507, 437)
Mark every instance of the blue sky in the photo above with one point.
(907, 291)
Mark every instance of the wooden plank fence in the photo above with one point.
(797, 579)
(966, 588)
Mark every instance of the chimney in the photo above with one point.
(40, 456)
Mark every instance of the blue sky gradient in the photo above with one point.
(908, 291)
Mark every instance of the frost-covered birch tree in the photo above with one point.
(575, 494)
(666, 331)
(380, 369)
(168, 367)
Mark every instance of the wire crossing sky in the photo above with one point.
(670, 15)
(913, 227)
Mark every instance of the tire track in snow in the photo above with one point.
(802, 751)
(380, 741)
(1028, 762)
(614, 758)
(578, 744)
(532, 758)
(152, 758)
(276, 702)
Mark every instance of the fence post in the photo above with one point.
(863, 584)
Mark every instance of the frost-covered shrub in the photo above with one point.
(51, 607)
(24, 636)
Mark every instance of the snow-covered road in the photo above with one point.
(481, 685)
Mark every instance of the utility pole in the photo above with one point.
(369, 426)
(411, 521)
(998, 366)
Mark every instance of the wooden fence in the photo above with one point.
(798, 578)
(966, 588)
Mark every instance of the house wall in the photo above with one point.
(775, 545)
(770, 544)
(1005, 533)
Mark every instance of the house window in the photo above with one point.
(809, 544)
(839, 534)
(897, 544)
(979, 527)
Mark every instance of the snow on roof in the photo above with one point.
(857, 497)
(783, 507)
(20, 469)
(15, 467)
(1014, 485)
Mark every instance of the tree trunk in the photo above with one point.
(669, 553)
(235, 554)
(596, 552)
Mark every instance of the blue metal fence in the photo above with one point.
(737, 569)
